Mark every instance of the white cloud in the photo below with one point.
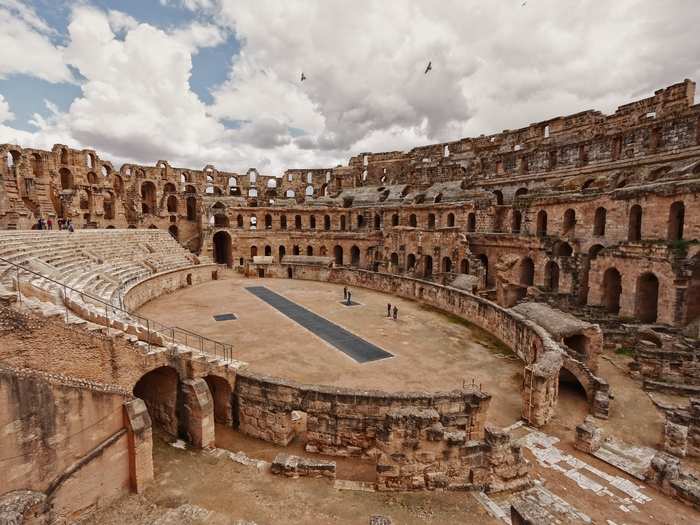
(5, 113)
(120, 21)
(26, 45)
(198, 35)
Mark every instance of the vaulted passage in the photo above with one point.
(159, 390)
(222, 248)
(646, 305)
(358, 349)
(612, 289)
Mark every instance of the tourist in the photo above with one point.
(70, 227)
(49, 224)
(349, 296)
(396, 313)
(345, 293)
(388, 310)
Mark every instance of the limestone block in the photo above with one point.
(675, 439)
(589, 436)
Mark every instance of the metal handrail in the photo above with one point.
(173, 333)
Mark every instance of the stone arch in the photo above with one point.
(239, 221)
(634, 232)
(268, 221)
(312, 222)
(281, 252)
(413, 220)
(464, 266)
(222, 248)
(612, 290)
(551, 276)
(221, 394)
(571, 386)
(562, 249)
(471, 222)
(450, 220)
(283, 222)
(394, 260)
(253, 251)
(342, 223)
(354, 256)
(427, 266)
(159, 390)
(171, 203)
(599, 222)
(338, 254)
(676, 217)
(446, 265)
(483, 258)
(520, 192)
(395, 219)
(647, 298)
(431, 221)
(499, 197)
(268, 250)
(377, 221)
(326, 222)
(527, 272)
(309, 250)
(569, 220)
(66, 179)
(172, 229)
(148, 197)
(541, 223)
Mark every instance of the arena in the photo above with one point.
(520, 343)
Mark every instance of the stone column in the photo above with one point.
(541, 388)
(198, 413)
(140, 440)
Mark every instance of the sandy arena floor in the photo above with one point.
(432, 351)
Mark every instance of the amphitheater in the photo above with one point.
(188, 354)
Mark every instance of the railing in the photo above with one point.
(153, 329)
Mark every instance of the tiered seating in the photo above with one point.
(99, 262)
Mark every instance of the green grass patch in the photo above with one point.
(625, 350)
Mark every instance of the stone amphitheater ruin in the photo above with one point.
(545, 364)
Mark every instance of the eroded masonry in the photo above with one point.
(567, 239)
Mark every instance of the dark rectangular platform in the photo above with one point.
(355, 347)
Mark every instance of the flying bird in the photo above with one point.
(303, 76)
(523, 4)
(430, 66)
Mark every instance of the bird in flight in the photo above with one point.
(523, 4)
(303, 76)
(430, 66)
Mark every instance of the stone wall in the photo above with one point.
(73, 441)
(166, 282)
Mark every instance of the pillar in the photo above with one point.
(198, 413)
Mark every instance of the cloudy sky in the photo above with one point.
(217, 81)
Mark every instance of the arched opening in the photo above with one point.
(471, 222)
(342, 223)
(612, 289)
(464, 266)
(108, 205)
(323, 252)
(446, 264)
(572, 394)
(599, 222)
(297, 222)
(413, 221)
(290, 273)
(221, 395)
(569, 221)
(431, 221)
(427, 266)
(377, 222)
(222, 248)
(268, 221)
(283, 222)
(551, 276)
(309, 250)
(338, 255)
(191, 208)
(516, 221)
(647, 299)
(239, 221)
(499, 197)
(268, 250)
(171, 204)
(676, 218)
(527, 272)
(159, 391)
(411, 262)
(282, 251)
(326, 222)
(312, 222)
(173, 231)
(450, 220)
(354, 256)
(148, 197)
(635, 223)
(562, 249)
(520, 192)
(541, 223)
(483, 258)
(253, 251)
(394, 260)
(360, 221)
(395, 219)
(295, 250)
(66, 179)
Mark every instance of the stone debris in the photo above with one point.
(295, 466)
(178, 443)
